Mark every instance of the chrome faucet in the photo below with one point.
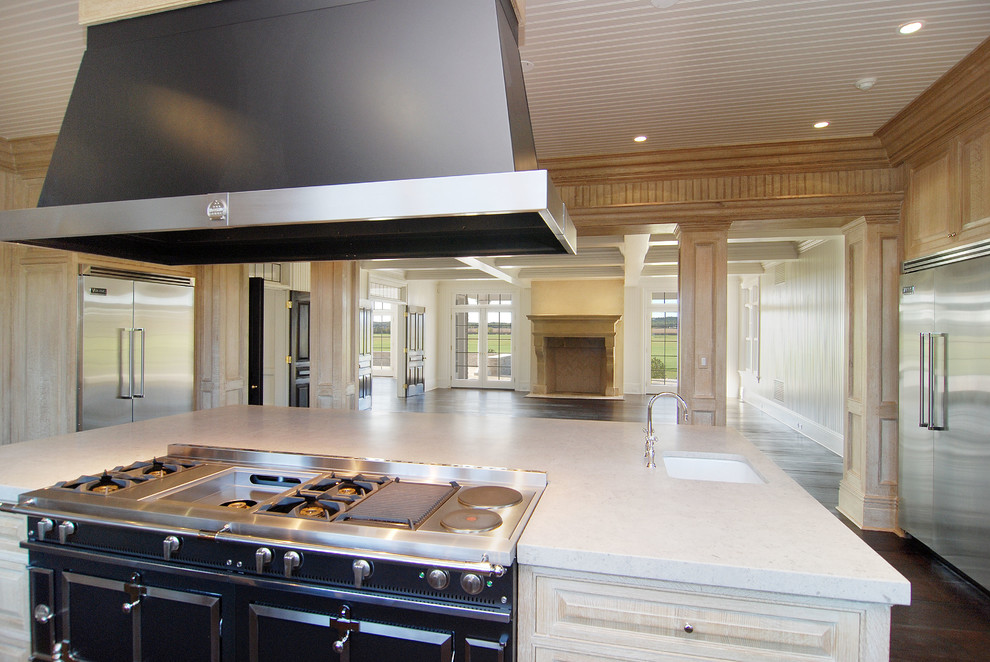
(651, 437)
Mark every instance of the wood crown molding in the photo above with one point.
(92, 12)
(7, 162)
(28, 158)
(956, 101)
(863, 153)
(648, 217)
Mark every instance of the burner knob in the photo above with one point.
(262, 557)
(170, 545)
(471, 583)
(290, 561)
(438, 579)
(362, 570)
(44, 526)
(65, 529)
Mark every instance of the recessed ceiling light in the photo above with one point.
(910, 28)
(639, 139)
(821, 125)
(663, 4)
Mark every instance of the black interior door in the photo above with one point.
(415, 376)
(256, 339)
(299, 355)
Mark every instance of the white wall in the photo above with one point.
(802, 326)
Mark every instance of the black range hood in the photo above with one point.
(251, 130)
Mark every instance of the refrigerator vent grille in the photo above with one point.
(968, 252)
(109, 272)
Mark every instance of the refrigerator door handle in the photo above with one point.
(922, 386)
(938, 369)
(126, 374)
(140, 394)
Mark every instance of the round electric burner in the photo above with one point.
(239, 503)
(104, 488)
(471, 520)
(313, 510)
(489, 496)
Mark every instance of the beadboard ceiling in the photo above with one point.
(698, 73)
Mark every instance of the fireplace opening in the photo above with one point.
(575, 356)
(576, 365)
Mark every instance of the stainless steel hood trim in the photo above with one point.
(471, 198)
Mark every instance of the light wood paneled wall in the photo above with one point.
(221, 335)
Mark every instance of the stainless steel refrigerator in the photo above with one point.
(136, 348)
(944, 419)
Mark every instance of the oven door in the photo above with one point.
(95, 607)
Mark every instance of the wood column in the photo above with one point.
(221, 335)
(868, 490)
(335, 305)
(38, 341)
(702, 280)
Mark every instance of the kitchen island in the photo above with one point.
(618, 561)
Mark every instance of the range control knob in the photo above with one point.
(65, 529)
(290, 561)
(438, 579)
(471, 583)
(262, 557)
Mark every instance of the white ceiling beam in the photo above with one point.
(491, 270)
(634, 250)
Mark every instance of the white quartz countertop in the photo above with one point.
(603, 510)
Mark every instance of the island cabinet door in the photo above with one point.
(277, 634)
(109, 620)
(579, 617)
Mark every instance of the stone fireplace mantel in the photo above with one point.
(575, 354)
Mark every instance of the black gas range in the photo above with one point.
(230, 554)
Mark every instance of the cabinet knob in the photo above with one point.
(688, 628)
(43, 613)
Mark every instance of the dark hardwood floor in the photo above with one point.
(949, 617)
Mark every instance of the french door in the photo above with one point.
(483, 341)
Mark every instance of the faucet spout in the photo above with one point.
(651, 437)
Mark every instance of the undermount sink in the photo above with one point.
(716, 467)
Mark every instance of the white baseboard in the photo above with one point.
(818, 433)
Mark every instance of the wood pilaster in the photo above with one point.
(335, 303)
(702, 273)
(221, 335)
(868, 490)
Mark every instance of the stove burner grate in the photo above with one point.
(401, 504)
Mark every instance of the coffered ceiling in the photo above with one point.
(696, 73)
